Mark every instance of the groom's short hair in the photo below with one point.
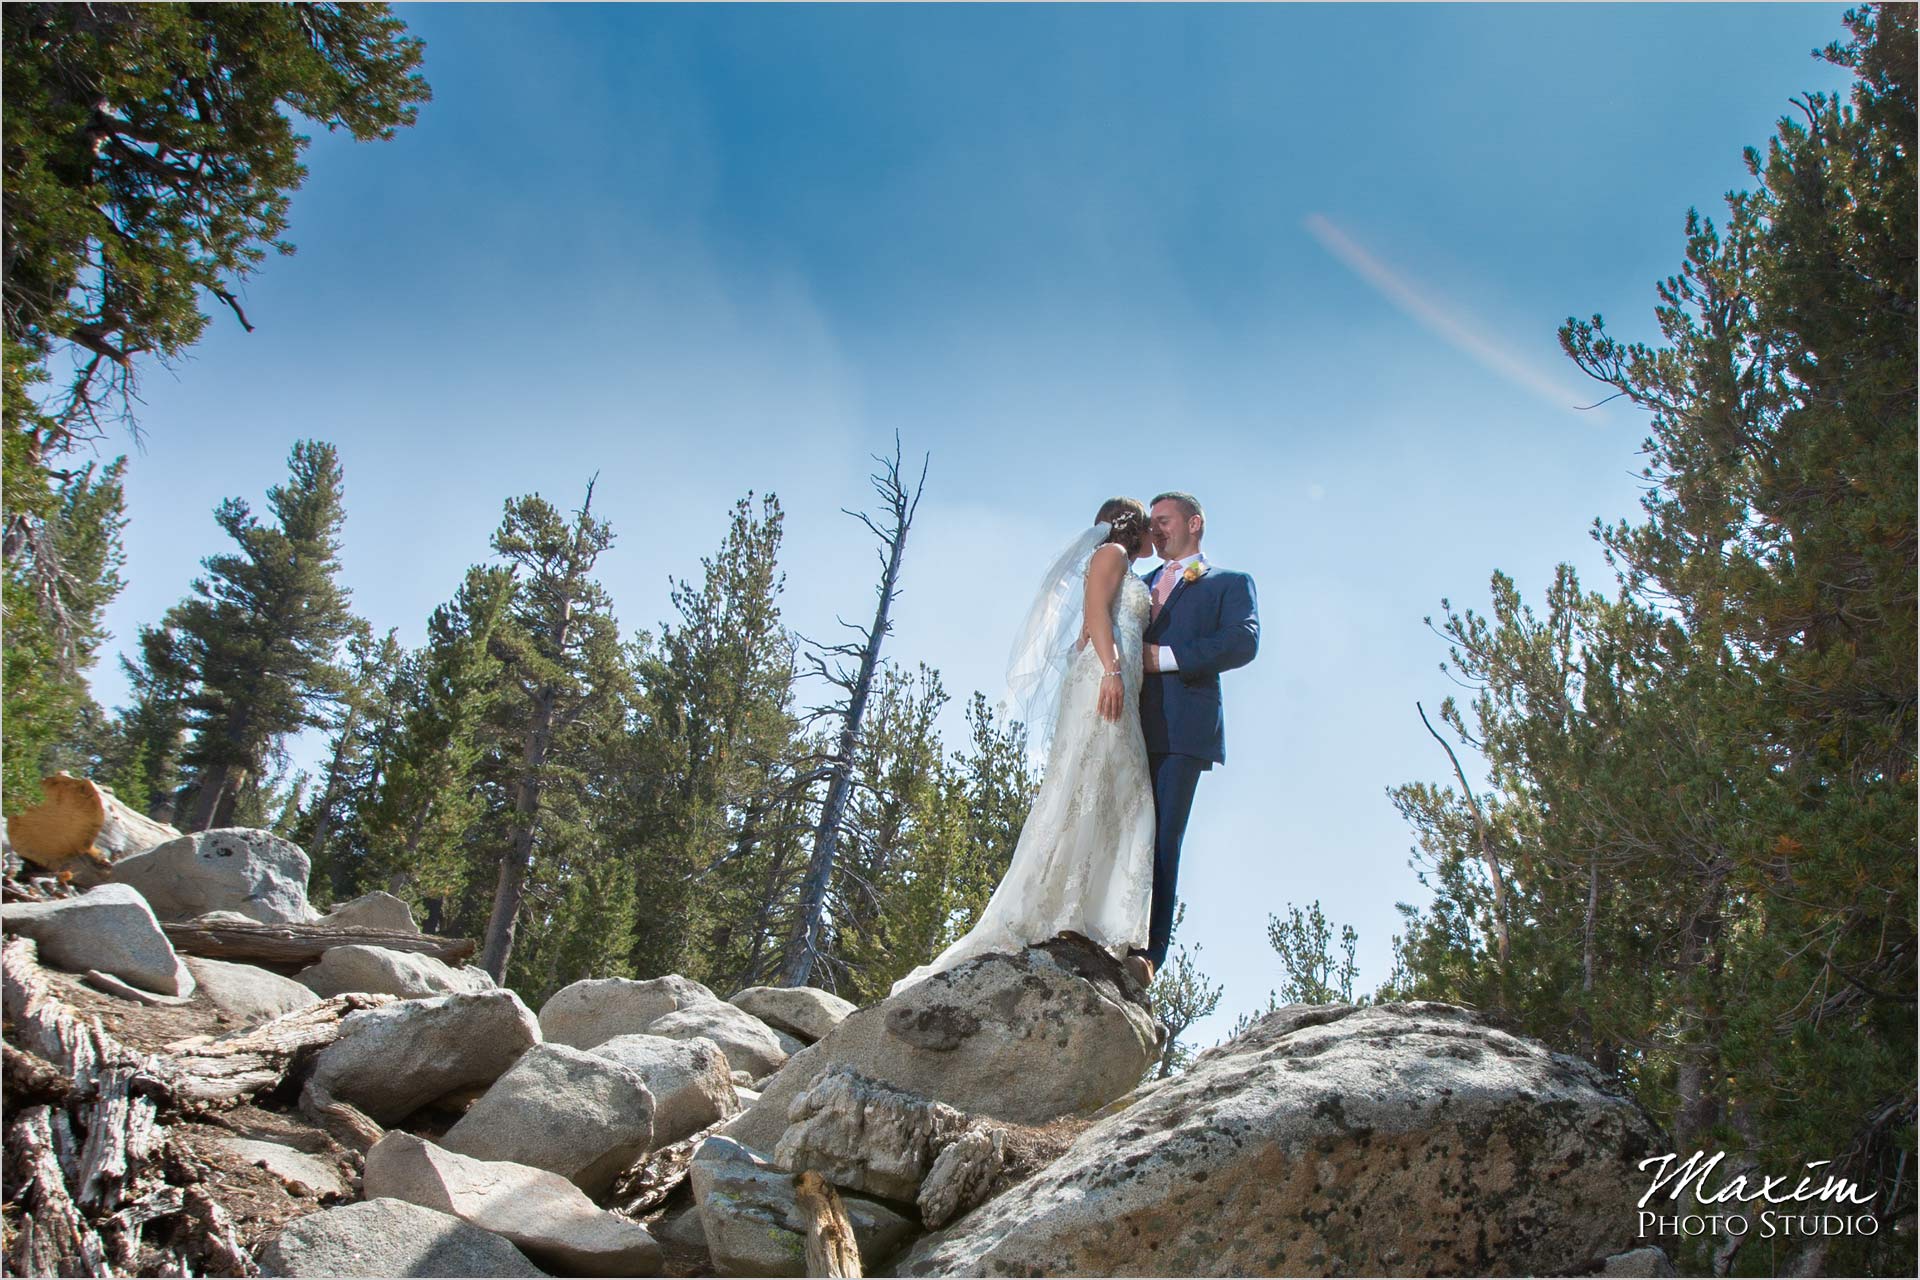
(1188, 503)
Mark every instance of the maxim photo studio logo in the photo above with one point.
(1833, 1207)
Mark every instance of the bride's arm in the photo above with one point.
(1103, 579)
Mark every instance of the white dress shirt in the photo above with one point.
(1165, 657)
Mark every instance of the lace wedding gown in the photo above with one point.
(1085, 857)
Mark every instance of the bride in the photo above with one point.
(1084, 861)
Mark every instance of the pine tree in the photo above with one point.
(420, 799)
(1181, 995)
(261, 633)
(347, 778)
(139, 756)
(717, 770)
(56, 591)
(1703, 786)
(563, 659)
(878, 928)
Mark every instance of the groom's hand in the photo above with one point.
(1150, 656)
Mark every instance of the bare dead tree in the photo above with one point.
(803, 948)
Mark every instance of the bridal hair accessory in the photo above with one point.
(1043, 648)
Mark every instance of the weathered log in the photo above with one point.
(83, 828)
(292, 944)
(349, 1125)
(831, 1247)
(53, 1238)
(200, 1075)
(119, 1121)
(646, 1184)
(214, 1240)
(208, 1074)
(31, 1080)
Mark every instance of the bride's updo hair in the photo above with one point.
(1129, 519)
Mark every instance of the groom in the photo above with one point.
(1203, 622)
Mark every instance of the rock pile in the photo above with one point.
(1396, 1139)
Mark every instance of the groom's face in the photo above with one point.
(1175, 533)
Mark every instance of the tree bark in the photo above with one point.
(831, 1247)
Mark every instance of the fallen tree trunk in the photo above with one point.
(296, 944)
(83, 828)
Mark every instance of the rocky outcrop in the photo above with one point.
(549, 1218)
(564, 1110)
(687, 1078)
(806, 1013)
(595, 1010)
(374, 910)
(111, 929)
(1028, 1038)
(247, 993)
(1409, 1139)
(382, 971)
(389, 1238)
(753, 1225)
(391, 1061)
(865, 1137)
(962, 1175)
(749, 1044)
(255, 873)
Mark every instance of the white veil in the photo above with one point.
(1044, 646)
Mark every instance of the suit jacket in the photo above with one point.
(1211, 625)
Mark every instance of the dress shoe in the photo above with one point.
(1142, 970)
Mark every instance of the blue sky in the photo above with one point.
(1306, 262)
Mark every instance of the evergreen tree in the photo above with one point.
(717, 772)
(420, 798)
(262, 631)
(1703, 787)
(56, 591)
(150, 153)
(1181, 995)
(139, 755)
(893, 825)
(347, 777)
(562, 661)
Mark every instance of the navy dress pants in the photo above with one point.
(1174, 778)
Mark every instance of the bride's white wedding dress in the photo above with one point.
(1084, 861)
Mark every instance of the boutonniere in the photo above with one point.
(1196, 570)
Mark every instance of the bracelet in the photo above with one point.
(1112, 675)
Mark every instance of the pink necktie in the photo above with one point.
(1163, 586)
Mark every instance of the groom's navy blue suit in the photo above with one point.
(1212, 625)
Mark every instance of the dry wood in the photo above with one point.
(290, 944)
(831, 1248)
(31, 1079)
(53, 1238)
(210, 1074)
(83, 828)
(214, 1240)
(202, 1074)
(349, 1125)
